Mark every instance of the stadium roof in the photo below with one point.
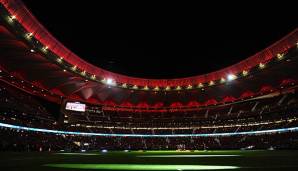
(31, 54)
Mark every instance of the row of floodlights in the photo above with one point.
(112, 82)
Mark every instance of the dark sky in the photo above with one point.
(154, 40)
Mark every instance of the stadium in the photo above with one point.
(62, 112)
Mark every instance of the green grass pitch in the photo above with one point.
(151, 160)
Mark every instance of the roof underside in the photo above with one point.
(25, 62)
(29, 22)
(17, 59)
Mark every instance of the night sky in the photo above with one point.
(164, 40)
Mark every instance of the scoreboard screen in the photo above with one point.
(75, 106)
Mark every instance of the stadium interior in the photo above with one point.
(69, 114)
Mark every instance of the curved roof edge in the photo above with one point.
(31, 24)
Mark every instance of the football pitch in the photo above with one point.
(151, 160)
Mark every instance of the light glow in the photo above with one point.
(280, 56)
(178, 88)
(124, 85)
(231, 77)
(11, 18)
(45, 49)
(225, 134)
(93, 77)
(59, 60)
(200, 85)
(74, 68)
(140, 167)
(168, 88)
(110, 81)
(261, 65)
(83, 73)
(186, 156)
(29, 35)
(244, 73)
(135, 87)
